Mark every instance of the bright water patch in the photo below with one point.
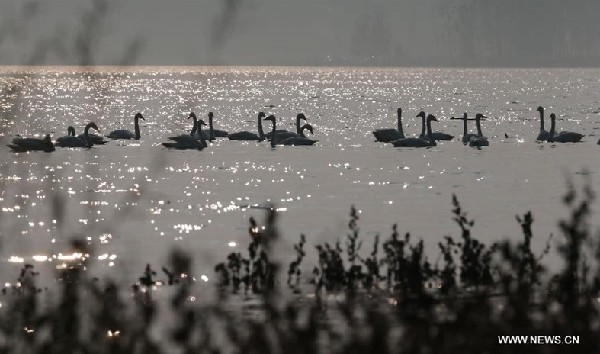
(148, 199)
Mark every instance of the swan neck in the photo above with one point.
(200, 134)
(552, 127)
(273, 134)
(465, 128)
(86, 136)
(429, 132)
(261, 133)
(423, 126)
(541, 120)
(479, 131)
(137, 128)
(195, 128)
(400, 128)
(298, 128)
(211, 130)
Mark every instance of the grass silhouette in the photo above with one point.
(389, 298)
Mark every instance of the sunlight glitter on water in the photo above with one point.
(151, 196)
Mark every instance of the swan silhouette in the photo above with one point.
(20, 144)
(74, 141)
(246, 135)
(189, 142)
(284, 134)
(302, 139)
(122, 134)
(479, 140)
(466, 135)
(419, 142)
(213, 133)
(544, 135)
(564, 136)
(436, 135)
(68, 139)
(288, 134)
(390, 134)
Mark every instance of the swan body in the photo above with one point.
(246, 135)
(544, 135)
(74, 141)
(283, 134)
(194, 141)
(69, 140)
(122, 134)
(20, 144)
(94, 138)
(390, 134)
(479, 140)
(435, 135)
(419, 142)
(213, 133)
(302, 139)
(562, 137)
(466, 135)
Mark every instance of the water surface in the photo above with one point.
(134, 200)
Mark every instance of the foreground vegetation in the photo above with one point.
(389, 298)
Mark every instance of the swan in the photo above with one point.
(20, 144)
(390, 134)
(95, 139)
(544, 135)
(479, 140)
(284, 134)
(68, 139)
(562, 137)
(273, 131)
(466, 135)
(187, 142)
(126, 134)
(74, 141)
(287, 133)
(419, 142)
(213, 133)
(302, 139)
(436, 135)
(246, 135)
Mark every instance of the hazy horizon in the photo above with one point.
(404, 33)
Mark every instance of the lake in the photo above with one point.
(134, 200)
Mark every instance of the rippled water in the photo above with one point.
(134, 200)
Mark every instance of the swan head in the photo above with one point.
(308, 127)
(261, 114)
(92, 125)
(271, 118)
(431, 118)
(138, 115)
(399, 110)
(465, 115)
(552, 116)
(201, 122)
(210, 115)
(192, 115)
(301, 116)
(421, 114)
(540, 109)
(71, 131)
(478, 116)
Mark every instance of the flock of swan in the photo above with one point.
(197, 138)
(396, 137)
